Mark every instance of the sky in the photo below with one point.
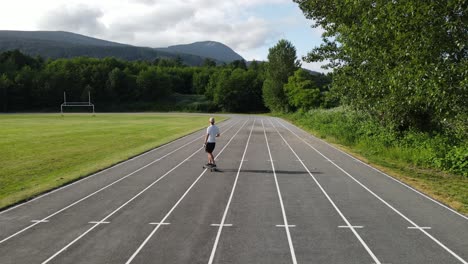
(249, 27)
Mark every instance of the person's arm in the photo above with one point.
(206, 138)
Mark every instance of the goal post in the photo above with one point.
(74, 104)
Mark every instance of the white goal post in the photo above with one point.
(86, 104)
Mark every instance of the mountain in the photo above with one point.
(209, 49)
(60, 44)
(56, 36)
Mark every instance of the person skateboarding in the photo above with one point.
(212, 132)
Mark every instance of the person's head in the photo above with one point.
(212, 120)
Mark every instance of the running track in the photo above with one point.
(283, 196)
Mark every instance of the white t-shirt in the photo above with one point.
(212, 131)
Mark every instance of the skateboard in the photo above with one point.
(211, 168)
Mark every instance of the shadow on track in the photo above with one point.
(269, 171)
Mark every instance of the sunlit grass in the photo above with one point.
(43, 151)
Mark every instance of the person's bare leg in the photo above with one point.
(211, 158)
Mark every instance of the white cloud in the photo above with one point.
(81, 19)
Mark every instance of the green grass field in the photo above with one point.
(43, 151)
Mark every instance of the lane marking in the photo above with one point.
(105, 170)
(178, 202)
(123, 205)
(356, 234)
(350, 226)
(285, 225)
(385, 202)
(40, 221)
(103, 188)
(223, 219)
(221, 224)
(283, 211)
(98, 222)
(381, 172)
(419, 227)
(159, 223)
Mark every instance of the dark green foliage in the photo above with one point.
(200, 80)
(30, 84)
(238, 64)
(11, 61)
(282, 63)
(209, 63)
(302, 92)
(153, 84)
(404, 62)
(236, 90)
(363, 132)
(5, 87)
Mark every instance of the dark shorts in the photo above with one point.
(210, 147)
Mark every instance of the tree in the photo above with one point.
(152, 84)
(282, 63)
(238, 64)
(5, 86)
(118, 84)
(404, 62)
(301, 91)
(209, 63)
(200, 80)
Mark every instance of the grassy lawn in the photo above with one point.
(43, 151)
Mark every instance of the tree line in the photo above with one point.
(34, 84)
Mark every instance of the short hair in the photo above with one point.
(212, 120)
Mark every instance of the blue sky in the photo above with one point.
(293, 26)
(250, 27)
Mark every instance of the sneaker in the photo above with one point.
(208, 164)
(214, 165)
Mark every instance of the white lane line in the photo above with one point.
(369, 251)
(221, 225)
(99, 172)
(223, 219)
(387, 204)
(285, 218)
(285, 225)
(122, 206)
(386, 175)
(419, 227)
(178, 202)
(103, 188)
(350, 226)
(40, 221)
(98, 222)
(159, 223)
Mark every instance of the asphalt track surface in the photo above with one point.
(282, 196)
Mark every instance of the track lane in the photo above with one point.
(314, 231)
(387, 227)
